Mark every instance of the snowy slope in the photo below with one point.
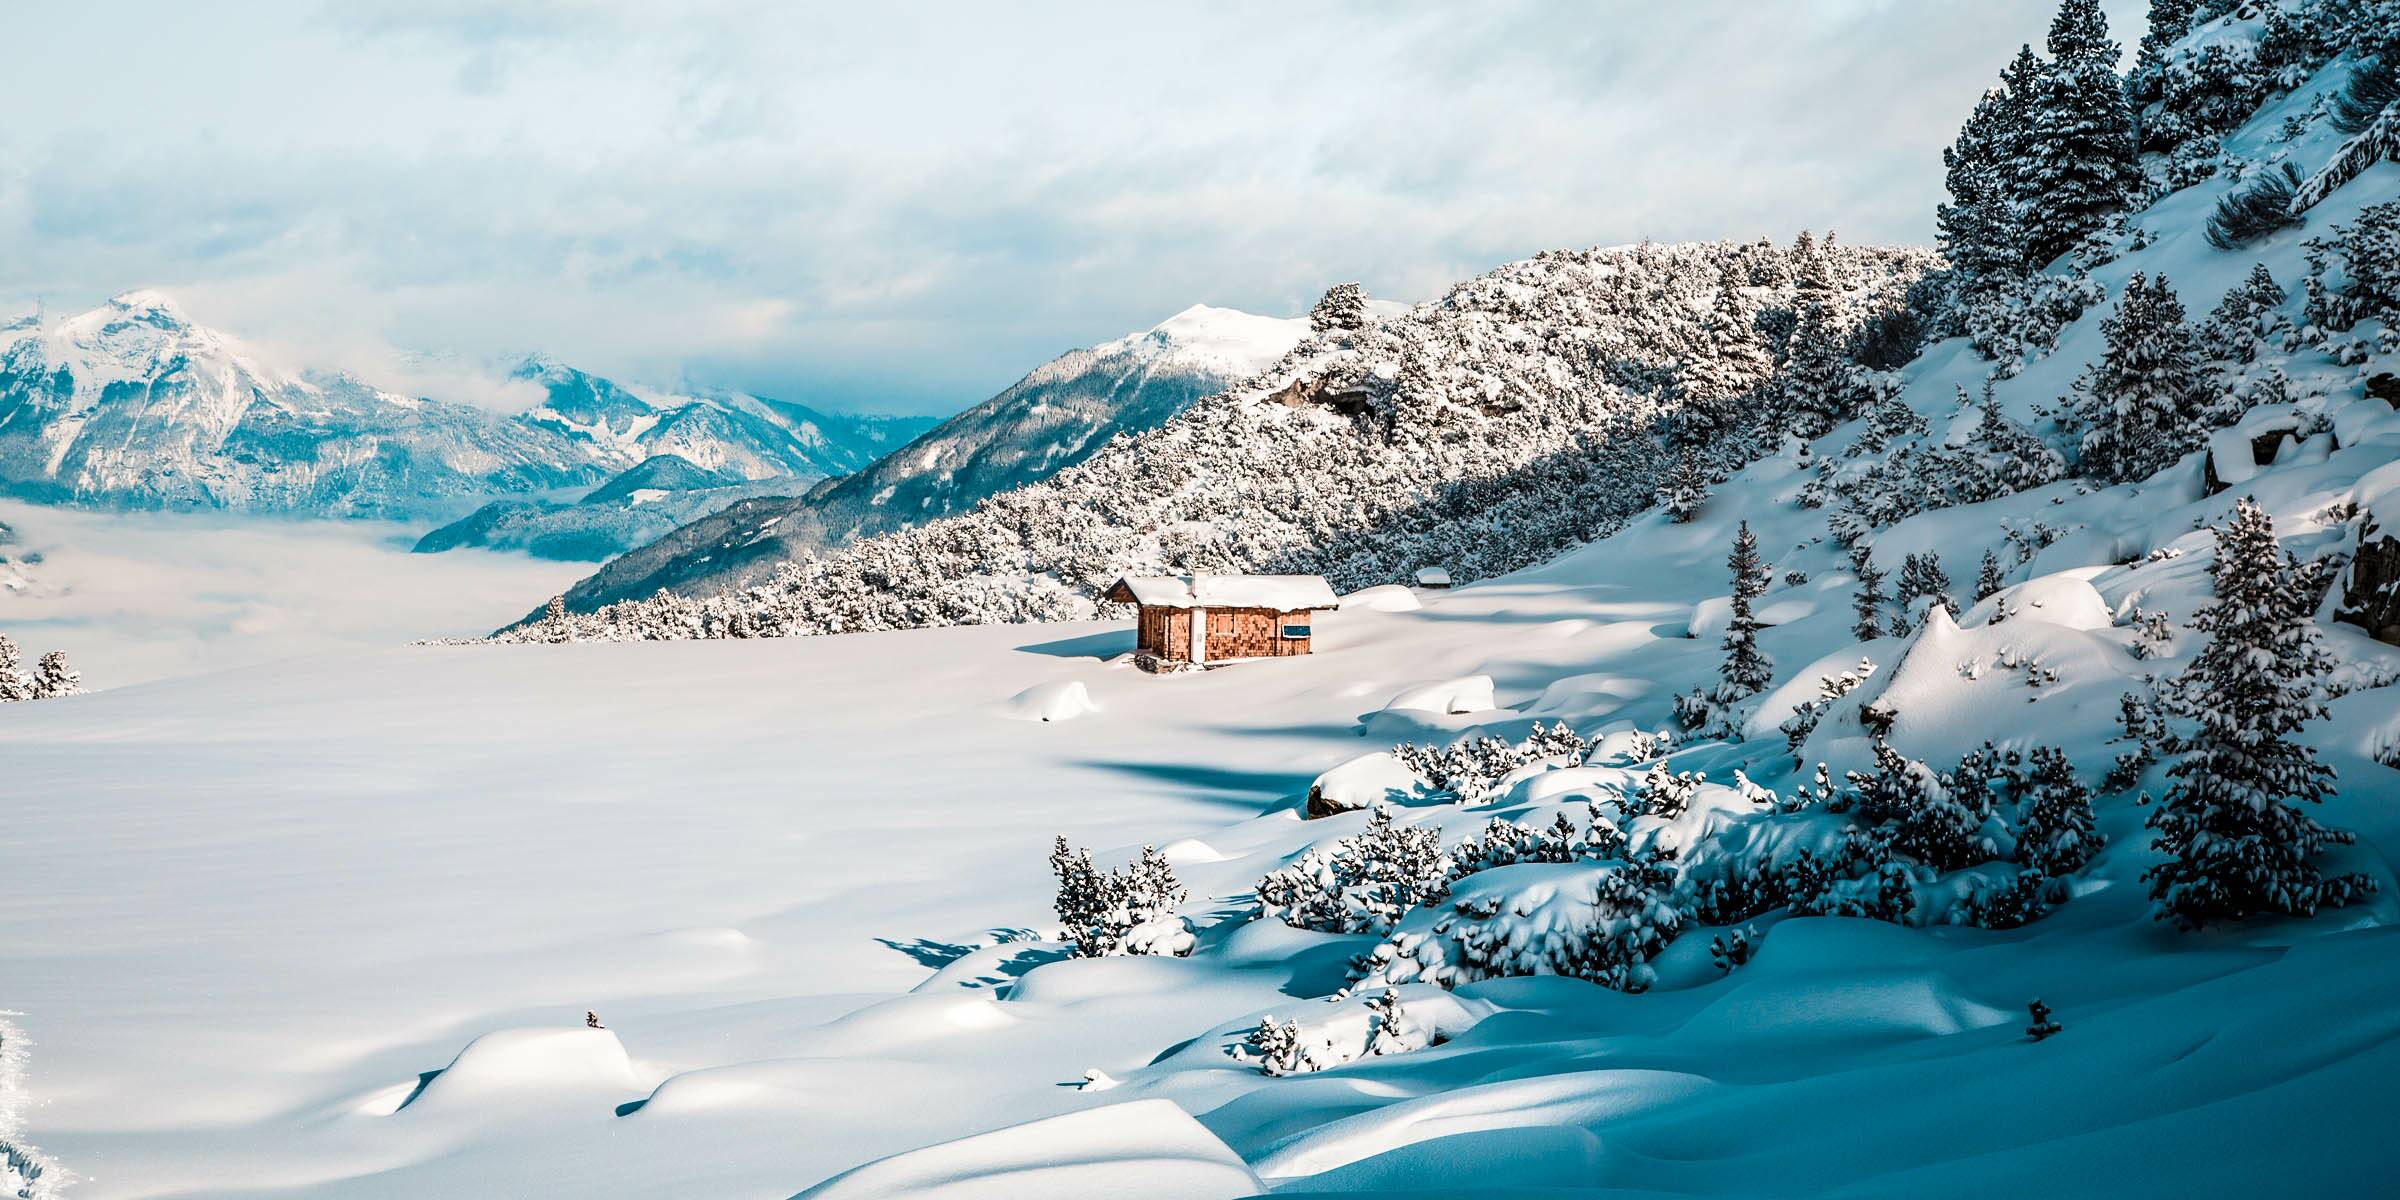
(1056, 416)
(1515, 416)
(132, 405)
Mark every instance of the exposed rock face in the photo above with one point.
(2385, 387)
(2371, 587)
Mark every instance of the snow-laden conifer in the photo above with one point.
(14, 685)
(2080, 157)
(2140, 405)
(2236, 840)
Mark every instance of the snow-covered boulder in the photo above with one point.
(1389, 597)
(1469, 695)
(1360, 783)
(1059, 700)
(1147, 1148)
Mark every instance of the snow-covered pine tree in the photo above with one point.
(52, 677)
(1747, 669)
(556, 626)
(1342, 309)
(1980, 231)
(2056, 833)
(2169, 21)
(1988, 580)
(1685, 487)
(2236, 842)
(13, 683)
(1736, 363)
(2140, 405)
(2247, 315)
(1819, 386)
(1929, 817)
(2081, 162)
(1922, 578)
(1868, 601)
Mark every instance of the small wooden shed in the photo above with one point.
(1203, 619)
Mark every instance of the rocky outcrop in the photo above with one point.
(2371, 586)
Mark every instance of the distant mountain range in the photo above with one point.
(132, 405)
(1056, 416)
(633, 509)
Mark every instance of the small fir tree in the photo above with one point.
(1988, 578)
(2056, 833)
(13, 683)
(555, 625)
(1685, 488)
(1868, 601)
(2249, 314)
(1343, 309)
(1819, 386)
(2237, 843)
(2140, 405)
(1922, 578)
(1747, 669)
(52, 677)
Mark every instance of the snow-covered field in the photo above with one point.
(332, 926)
(139, 596)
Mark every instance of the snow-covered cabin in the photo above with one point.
(1219, 618)
(1433, 577)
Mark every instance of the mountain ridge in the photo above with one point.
(132, 405)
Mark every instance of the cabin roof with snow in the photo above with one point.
(1282, 593)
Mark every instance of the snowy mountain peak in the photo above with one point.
(1225, 340)
(148, 302)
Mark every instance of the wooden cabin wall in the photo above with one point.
(1253, 633)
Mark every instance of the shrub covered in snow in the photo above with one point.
(1598, 921)
(1363, 884)
(50, 678)
(1468, 769)
(1127, 911)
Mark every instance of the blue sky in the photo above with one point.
(905, 206)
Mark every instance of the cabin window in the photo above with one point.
(1293, 632)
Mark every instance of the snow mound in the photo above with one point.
(1593, 692)
(1711, 616)
(1148, 1148)
(1843, 1007)
(1389, 597)
(1471, 694)
(2065, 600)
(1061, 700)
(515, 1064)
(1363, 781)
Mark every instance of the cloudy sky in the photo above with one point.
(905, 206)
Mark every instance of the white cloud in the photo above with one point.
(915, 203)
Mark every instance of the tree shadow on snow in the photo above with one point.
(928, 952)
(1254, 791)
